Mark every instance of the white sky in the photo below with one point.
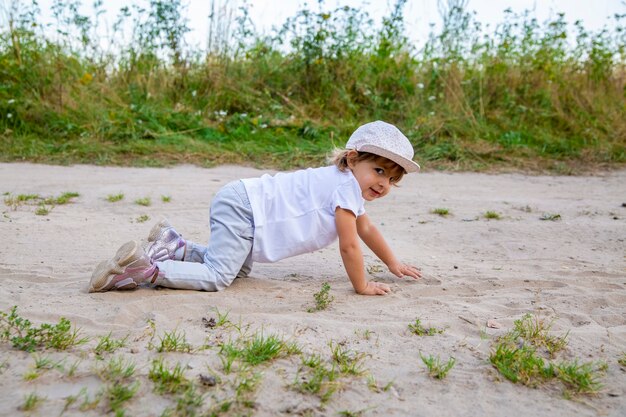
(418, 14)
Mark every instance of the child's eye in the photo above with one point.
(379, 170)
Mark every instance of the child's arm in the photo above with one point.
(350, 249)
(376, 242)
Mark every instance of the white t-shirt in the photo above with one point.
(294, 212)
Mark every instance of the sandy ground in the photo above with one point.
(571, 271)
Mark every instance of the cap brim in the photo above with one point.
(408, 165)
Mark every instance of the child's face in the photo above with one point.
(375, 177)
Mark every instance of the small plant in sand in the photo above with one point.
(42, 364)
(317, 378)
(116, 369)
(492, 215)
(145, 201)
(254, 350)
(322, 298)
(114, 198)
(23, 335)
(174, 341)
(622, 359)
(517, 355)
(349, 362)
(106, 344)
(166, 198)
(443, 212)
(44, 204)
(550, 216)
(31, 402)
(418, 329)
(142, 219)
(436, 368)
(167, 379)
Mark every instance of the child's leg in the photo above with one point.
(229, 248)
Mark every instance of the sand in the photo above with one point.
(570, 272)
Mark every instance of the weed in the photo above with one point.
(443, 212)
(119, 393)
(579, 378)
(113, 198)
(492, 215)
(31, 402)
(168, 380)
(622, 359)
(550, 217)
(349, 362)
(145, 201)
(24, 336)
(322, 299)
(521, 365)
(319, 379)
(166, 198)
(418, 329)
(436, 368)
(143, 218)
(62, 199)
(536, 332)
(174, 341)
(42, 210)
(106, 344)
(116, 370)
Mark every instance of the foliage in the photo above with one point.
(322, 298)
(530, 95)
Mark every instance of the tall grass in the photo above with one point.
(530, 95)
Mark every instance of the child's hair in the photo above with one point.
(339, 158)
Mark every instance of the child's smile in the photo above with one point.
(374, 178)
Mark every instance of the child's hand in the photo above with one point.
(401, 270)
(376, 288)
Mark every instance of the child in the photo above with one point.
(270, 218)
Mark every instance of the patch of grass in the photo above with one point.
(622, 359)
(418, 329)
(166, 379)
(579, 378)
(42, 210)
(107, 344)
(436, 368)
(174, 341)
(64, 198)
(166, 198)
(254, 350)
(119, 393)
(492, 215)
(348, 362)
(443, 212)
(322, 298)
(550, 216)
(143, 218)
(145, 201)
(44, 205)
(113, 198)
(317, 378)
(516, 356)
(23, 335)
(116, 369)
(31, 402)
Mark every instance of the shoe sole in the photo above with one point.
(106, 271)
(157, 230)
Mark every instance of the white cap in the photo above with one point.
(386, 140)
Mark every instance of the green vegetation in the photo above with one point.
(142, 219)
(44, 204)
(145, 201)
(492, 215)
(436, 368)
(113, 198)
(31, 402)
(106, 344)
(166, 379)
(518, 358)
(322, 298)
(24, 335)
(550, 216)
(529, 96)
(443, 212)
(418, 329)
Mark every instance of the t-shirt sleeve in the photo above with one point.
(348, 197)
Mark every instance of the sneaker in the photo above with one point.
(163, 242)
(129, 267)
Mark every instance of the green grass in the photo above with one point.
(418, 329)
(322, 298)
(23, 335)
(167, 379)
(436, 368)
(113, 198)
(107, 344)
(467, 99)
(31, 402)
(492, 215)
(144, 201)
(550, 216)
(443, 212)
(174, 341)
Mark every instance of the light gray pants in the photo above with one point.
(228, 253)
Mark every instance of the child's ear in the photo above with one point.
(351, 158)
